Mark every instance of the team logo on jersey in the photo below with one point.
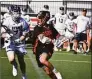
(16, 28)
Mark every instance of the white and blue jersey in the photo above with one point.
(60, 23)
(18, 29)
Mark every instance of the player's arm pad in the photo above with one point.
(43, 39)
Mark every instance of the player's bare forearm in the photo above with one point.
(25, 34)
(22, 38)
(5, 35)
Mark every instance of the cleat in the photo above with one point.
(68, 49)
(55, 49)
(75, 52)
(87, 50)
(58, 75)
(78, 50)
(60, 50)
(24, 77)
(14, 71)
(85, 53)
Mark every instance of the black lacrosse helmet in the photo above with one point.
(46, 6)
(61, 8)
(44, 15)
(15, 8)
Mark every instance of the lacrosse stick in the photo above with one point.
(60, 41)
(8, 30)
(9, 34)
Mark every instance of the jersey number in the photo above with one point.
(60, 20)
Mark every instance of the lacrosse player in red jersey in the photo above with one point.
(43, 44)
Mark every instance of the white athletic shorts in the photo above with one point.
(19, 50)
(69, 34)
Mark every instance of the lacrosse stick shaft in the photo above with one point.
(7, 30)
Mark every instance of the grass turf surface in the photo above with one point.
(70, 66)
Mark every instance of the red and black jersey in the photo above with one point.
(48, 31)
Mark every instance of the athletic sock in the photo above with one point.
(54, 70)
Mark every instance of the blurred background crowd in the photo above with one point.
(77, 12)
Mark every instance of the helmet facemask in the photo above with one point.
(62, 12)
(15, 16)
(15, 12)
(42, 18)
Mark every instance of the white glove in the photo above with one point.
(17, 41)
(44, 39)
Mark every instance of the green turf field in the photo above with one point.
(71, 66)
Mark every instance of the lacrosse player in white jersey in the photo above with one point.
(70, 28)
(60, 19)
(16, 30)
(59, 22)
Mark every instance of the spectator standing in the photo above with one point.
(82, 22)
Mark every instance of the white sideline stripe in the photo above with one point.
(39, 72)
(72, 54)
(7, 57)
(3, 57)
(72, 61)
(69, 54)
(59, 60)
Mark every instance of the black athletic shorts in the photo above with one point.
(81, 37)
(40, 51)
